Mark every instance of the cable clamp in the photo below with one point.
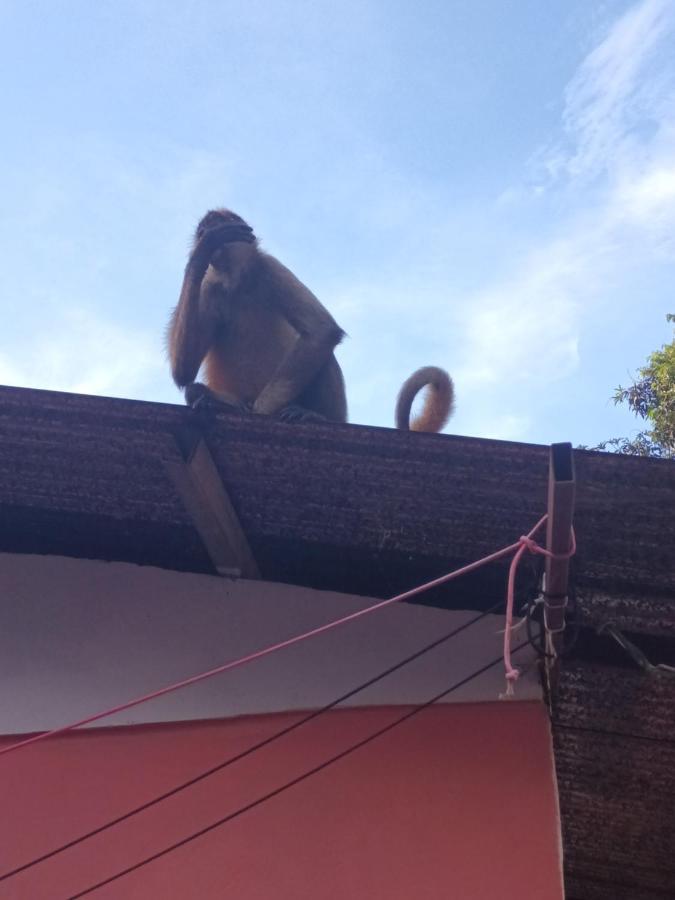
(554, 607)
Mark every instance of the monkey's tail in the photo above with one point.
(438, 404)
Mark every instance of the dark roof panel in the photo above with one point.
(345, 507)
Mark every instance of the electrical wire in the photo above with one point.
(252, 749)
(289, 784)
(534, 613)
(273, 648)
(633, 651)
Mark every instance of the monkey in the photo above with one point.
(266, 342)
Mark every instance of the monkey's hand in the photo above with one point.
(211, 246)
(227, 233)
(215, 239)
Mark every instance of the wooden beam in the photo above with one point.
(203, 493)
(561, 495)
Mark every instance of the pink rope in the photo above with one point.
(520, 546)
(526, 542)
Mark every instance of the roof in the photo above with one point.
(346, 507)
(374, 511)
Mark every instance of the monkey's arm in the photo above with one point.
(318, 336)
(194, 320)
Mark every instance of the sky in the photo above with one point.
(481, 185)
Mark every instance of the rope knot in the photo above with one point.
(512, 675)
(529, 543)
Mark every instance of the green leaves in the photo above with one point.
(652, 398)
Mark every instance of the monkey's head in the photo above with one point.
(236, 252)
(215, 217)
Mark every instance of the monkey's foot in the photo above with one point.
(199, 396)
(295, 413)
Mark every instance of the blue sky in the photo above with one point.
(483, 185)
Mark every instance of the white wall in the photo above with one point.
(78, 636)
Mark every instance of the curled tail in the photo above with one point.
(438, 404)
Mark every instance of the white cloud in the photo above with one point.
(113, 236)
(651, 195)
(86, 355)
(505, 427)
(644, 207)
(614, 175)
(113, 225)
(616, 89)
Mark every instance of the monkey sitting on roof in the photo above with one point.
(266, 341)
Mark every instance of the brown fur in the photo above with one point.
(266, 341)
(438, 404)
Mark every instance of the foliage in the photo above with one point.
(652, 398)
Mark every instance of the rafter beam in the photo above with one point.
(200, 487)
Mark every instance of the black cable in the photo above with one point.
(258, 746)
(300, 778)
(534, 612)
(633, 651)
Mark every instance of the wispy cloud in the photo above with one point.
(621, 87)
(88, 355)
(611, 180)
(106, 272)
(361, 187)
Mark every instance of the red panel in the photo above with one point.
(458, 802)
